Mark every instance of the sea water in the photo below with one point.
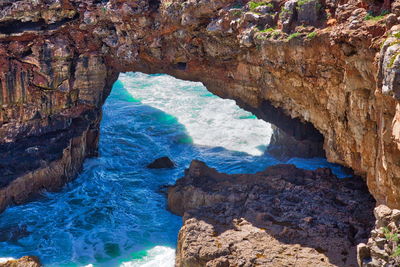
(114, 213)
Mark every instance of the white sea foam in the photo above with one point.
(209, 120)
(2, 260)
(158, 256)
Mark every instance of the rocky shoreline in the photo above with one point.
(321, 71)
(27, 261)
(283, 216)
(30, 167)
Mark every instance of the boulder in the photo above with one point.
(161, 163)
(282, 216)
(27, 261)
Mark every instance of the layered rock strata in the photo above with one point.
(324, 71)
(283, 216)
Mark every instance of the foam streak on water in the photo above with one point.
(113, 213)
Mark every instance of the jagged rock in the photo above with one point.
(27, 261)
(308, 11)
(288, 15)
(281, 216)
(59, 57)
(383, 247)
(161, 163)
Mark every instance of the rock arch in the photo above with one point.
(60, 59)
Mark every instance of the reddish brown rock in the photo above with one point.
(318, 73)
(27, 261)
(282, 216)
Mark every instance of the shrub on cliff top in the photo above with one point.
(268, 30)
(311, 35)
(253, 5)
(293, 35)
(396, 253)
(370, 16)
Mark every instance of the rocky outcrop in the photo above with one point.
(316, 69)
(282, 216)
(27, 261)
(161, 163)
(383, 247)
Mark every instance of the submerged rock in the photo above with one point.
(161, 163)
(27, 261)
(282, 216)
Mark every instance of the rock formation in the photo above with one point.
(27, 261)
(383, 247)
(161, 163)
(282, 216)
(322, 71)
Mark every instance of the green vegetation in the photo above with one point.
(267, 33)
(237, 13)
(396, 252)
(371, 16)
(397, 35)
(276, 34)
(311, 35)
(389, 236)
(293, 35)
(253, 5)
(393, 59)
(301, 3)
(284, 11)
(268, 30)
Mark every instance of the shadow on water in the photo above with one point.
(113, 212)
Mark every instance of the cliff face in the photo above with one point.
(316, 69)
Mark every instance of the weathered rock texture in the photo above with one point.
(282, 216)
(383, 247)
(27, 261)
(313, 68)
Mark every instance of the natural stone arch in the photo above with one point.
(56, 75)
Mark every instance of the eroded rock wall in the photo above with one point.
(320, 62)
(282, 216)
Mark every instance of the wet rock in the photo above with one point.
(268, 218)
(27, 261)
(161, 163)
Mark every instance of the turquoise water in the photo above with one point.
(113, 214)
